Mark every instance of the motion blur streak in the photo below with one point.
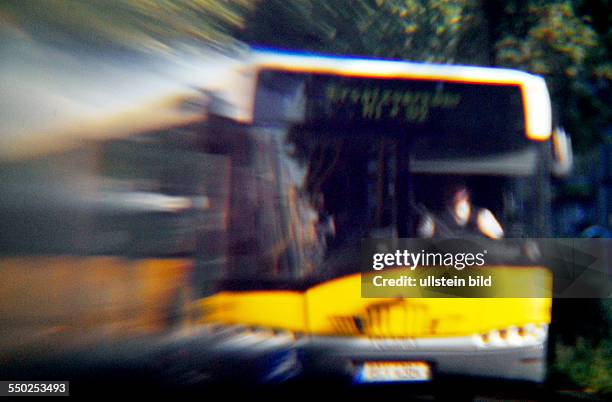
(59, 97)
(84, 256)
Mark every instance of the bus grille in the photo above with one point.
(397, 319)
(347, 325)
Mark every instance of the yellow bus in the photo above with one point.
(328, 151)
(238, 211)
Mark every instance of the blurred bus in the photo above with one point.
(327, 151)
(243, 210)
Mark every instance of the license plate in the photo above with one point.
(393, 372)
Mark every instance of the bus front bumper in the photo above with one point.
(446, 357)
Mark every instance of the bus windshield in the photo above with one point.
(331, 159)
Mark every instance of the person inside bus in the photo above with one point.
(459, 216)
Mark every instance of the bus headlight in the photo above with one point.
(514, 336)
(529, 334)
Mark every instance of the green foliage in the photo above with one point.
(556, 43)
(421, 30)
(551, 38)
(586, 365)
(583, 357)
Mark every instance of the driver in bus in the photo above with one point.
(460, 216)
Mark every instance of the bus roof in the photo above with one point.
(536, 100)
